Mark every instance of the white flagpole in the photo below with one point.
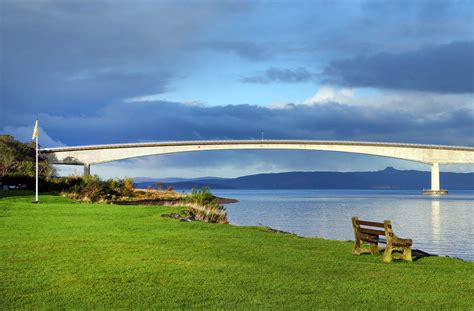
(37, 167)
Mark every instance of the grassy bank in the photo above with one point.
(61, 254)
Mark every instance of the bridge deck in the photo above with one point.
(262, 142)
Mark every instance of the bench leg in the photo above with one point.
(407, 253)
(387, 254)
(356, 249)
(374, 249)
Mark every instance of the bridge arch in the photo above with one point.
(433, 155)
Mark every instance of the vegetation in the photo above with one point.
(17, 167)
(207, 213)
(202, 196)
(18, 159)
(92, 189)
(204, 206)
(66, 255)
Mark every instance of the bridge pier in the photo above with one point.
(87, 170)
(435, 184)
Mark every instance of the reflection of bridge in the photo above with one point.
(433, 155)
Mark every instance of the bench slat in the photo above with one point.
(371, 231)
(371, 239)
(370, 223)
(374, 242)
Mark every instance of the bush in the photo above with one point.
(202, 197)
(128, 185)
(204, 206)
(92, 189)
(213, 214)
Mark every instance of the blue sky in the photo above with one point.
(98, 72)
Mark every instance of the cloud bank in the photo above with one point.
(446, 68)
(161, 121)
(273, 74)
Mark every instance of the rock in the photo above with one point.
(172, 215)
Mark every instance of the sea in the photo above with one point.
(441, 225)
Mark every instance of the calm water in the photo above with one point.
(442, 225)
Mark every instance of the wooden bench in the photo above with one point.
(367, 232)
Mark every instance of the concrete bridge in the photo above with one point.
(433, 155)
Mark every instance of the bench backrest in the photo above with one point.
(368, 231)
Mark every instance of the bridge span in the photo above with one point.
(433, 155)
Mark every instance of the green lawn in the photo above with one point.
(61, 254)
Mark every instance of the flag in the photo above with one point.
(35, 131)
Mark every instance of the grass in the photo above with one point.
(60, 254)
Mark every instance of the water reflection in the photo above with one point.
(441, 225)
(435, 221)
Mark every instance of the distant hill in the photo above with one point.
(151, 181)
(388, 178)
(144, 182)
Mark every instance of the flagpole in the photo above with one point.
(36, 167)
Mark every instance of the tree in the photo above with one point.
(18, 159)
(7, 162)
(128, 185)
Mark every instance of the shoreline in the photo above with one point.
(164, 202)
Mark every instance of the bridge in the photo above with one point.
(433, 155)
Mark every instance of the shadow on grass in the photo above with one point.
(418, 254)
(15, 193)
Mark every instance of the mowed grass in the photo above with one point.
(61, 254)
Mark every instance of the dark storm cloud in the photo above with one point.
(395, 26)
(447, 68)
(75, 57)
(74, 63)
(164, 121)
(274, 74)
(167, 121)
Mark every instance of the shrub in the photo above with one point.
(202, 197)
(128, 185)
(213, 214)
(92, 189)
(204, 206)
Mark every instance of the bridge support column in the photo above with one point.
(87, 170)
(435, 177)
(435, 187)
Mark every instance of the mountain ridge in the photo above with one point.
(389, 178)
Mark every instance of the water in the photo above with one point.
(439, 225)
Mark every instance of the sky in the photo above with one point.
(101, 72)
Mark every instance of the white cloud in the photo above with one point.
(428, 104)
(424, 104)
(159, 98)
(329, 94)
(280, 105)
(145, 98)
(324, 94)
